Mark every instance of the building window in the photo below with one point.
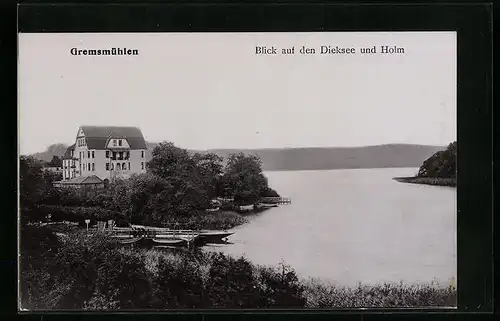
(88, 167)
(128, 165)
(114, 155)
(117, 166)
(88, 154)
(119, 142)
(93, 155)
(120, 155)
(142, 154)
(112, 166)
(93, 167)
(107, 166)
(107, 154)
(114, 142)
(142, 165)
(124, 166)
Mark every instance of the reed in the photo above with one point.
(327, 295)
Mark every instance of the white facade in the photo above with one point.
(106, 157)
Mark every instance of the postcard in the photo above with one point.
(215, 171)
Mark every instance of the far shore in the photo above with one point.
(435, 181)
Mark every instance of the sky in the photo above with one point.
(211, 90)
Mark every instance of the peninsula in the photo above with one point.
(440, 169)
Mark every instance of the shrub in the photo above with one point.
(231, 283)
(87, 271)
(179, 285)
(280, 287)
(206, 220)
(73, 214)
(38, 246)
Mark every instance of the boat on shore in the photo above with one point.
(266, 205)
(169, 241)
(198, 236)
(130, 240)
(206, 236)
(246, 208)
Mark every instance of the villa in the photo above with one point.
(103, 153)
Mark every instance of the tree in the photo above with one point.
(243, 178)
(169, 161)
(56, 161)
(33, 180)
(442, 164)
(190, 179)
(210, 170)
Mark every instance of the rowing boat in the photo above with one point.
(170, 241)
(130, 240)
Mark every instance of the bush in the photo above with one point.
(38, 246)
(179, 285)
(86, 271)
(72, 214)
(281, 288)
(322, 295)
(206, 220)
(95, 268)
(231, 283)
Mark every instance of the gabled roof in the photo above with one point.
(92, 179)
(67, 154)
(97, 136)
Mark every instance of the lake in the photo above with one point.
(351, 226)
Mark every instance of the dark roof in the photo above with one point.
(97, 136)
(92, 179)
(67, 154)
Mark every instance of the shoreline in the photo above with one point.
(152, 264)
(434, 181)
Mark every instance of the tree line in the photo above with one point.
(177, 185)
(442, 164)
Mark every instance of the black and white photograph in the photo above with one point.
(242, 171)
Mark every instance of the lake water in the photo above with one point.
(351, 226)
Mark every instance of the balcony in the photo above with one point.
(119, 158)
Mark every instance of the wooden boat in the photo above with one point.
(123, 236)
(169, 241)
(166, 235)
(188, 237)
(130, 240)
(206, 236)
(266, 205)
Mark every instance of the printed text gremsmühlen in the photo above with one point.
(104, 52)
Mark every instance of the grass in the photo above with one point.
(321, 294)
